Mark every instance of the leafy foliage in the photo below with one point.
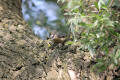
(99, 30)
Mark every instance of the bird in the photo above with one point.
(44, 17)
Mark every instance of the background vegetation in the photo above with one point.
(96, 26)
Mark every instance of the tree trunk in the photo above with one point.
(20, 49)
(23, 56)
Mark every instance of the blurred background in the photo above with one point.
(44, 17)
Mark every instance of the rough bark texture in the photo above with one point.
(23, 56)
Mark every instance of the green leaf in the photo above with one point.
(69, 43)
(101, 3)
(96, 5)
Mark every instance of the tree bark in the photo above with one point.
(19, 47)
(23, 56)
